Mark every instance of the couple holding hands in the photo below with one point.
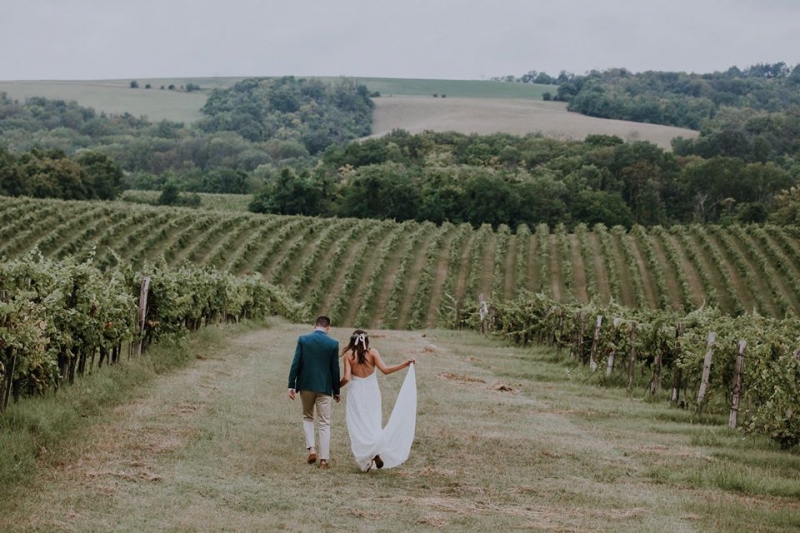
(314, 376)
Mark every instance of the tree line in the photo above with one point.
(681, 99)
(52, 174)
(751, 113)
(508, 179)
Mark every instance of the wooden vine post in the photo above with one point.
(595, 341)
(701, 395)
(581, 336)
(655, 381)
(632, 359)
(610, 363)
(678, 374)
(143, 292)
(8, 381)
(737, 385)
(560, 332)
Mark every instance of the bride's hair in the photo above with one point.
(359, 345)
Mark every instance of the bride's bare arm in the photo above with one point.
(347, 371)
(388, 369)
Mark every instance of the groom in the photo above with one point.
(315, 374)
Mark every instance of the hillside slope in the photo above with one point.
(410, 275)
(515, 116)
(469, 107)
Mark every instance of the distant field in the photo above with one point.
(116, 96)
(516, 116)
(470, 106)
(454, 88)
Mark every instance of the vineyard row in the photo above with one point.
(372, 273)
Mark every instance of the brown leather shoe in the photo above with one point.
(312, 458)
(378, 461)
(323, 464)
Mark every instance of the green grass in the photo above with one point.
(217, 446)
(35, 431)
(453, 88)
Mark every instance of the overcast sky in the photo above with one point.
(445, 39)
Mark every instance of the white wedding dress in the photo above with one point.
(364, 416)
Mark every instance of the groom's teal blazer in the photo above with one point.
(315, 366)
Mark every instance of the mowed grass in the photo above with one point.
(507, 438)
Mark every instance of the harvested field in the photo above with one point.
(516, 116)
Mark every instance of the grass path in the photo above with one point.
(506, 439)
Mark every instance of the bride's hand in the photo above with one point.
(411, 362)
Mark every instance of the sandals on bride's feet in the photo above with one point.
(377, 461)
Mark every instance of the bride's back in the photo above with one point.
(362, 370)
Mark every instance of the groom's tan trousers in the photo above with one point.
(322, 402)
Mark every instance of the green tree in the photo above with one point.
(381, 191)
(170, 195)
(290, 194)
(489, 199)
(592, 207)
(788, 207)
(103, 175)
(52, 174)
(11, 179)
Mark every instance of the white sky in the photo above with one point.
(445, 39)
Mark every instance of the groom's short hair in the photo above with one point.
(323, 322)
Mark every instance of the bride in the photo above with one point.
(371, 443)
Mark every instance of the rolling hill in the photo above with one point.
(465, 106)
(411, 275)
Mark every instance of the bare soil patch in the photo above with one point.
(648, 284)
(578, 269)
(603, 284)
(510, 278)
(670, 278)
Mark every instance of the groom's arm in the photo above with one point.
(335, 370)
(294, 370)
